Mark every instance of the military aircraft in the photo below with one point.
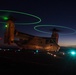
(26, 41)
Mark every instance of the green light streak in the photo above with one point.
(39, 20)
(35, 27)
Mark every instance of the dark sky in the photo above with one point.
(62, 13)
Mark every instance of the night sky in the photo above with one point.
(51, 13)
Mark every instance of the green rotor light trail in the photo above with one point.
(39, 20)
(35, 27)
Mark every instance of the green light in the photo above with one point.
(5, 18)
(36, 51)
(73, 53)
(35, 27)
(6, 26)
(23, 13)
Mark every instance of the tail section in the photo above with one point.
(9, 33)
(55, 36)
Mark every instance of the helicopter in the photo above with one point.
(27, 41)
